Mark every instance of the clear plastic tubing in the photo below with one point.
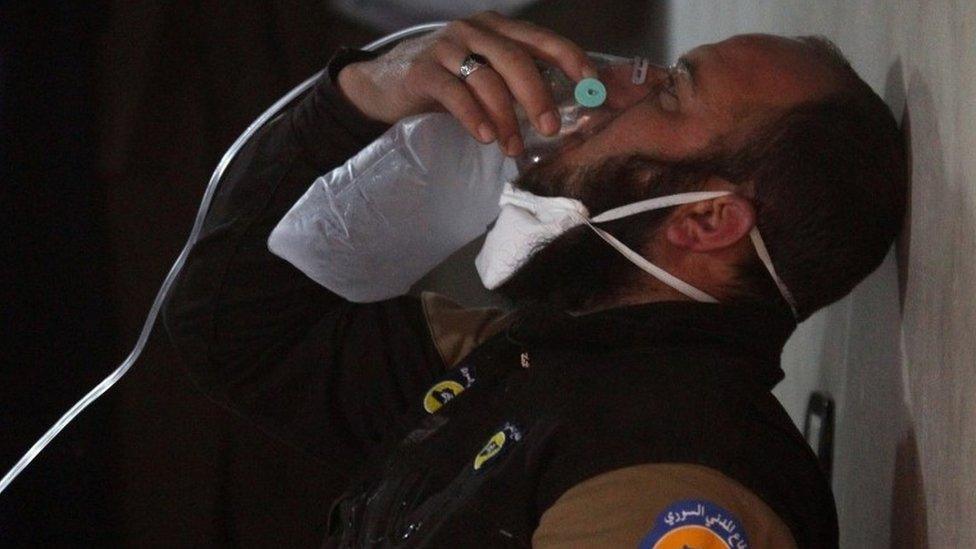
(174, 271)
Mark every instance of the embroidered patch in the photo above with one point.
(696, 524)
(446, 389)
(440, 394)
(498, 441)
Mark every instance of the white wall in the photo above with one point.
(899, 354)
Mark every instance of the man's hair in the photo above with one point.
(829, 182)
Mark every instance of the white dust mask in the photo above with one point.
(527, 222)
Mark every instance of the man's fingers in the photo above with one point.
(448, 90)
(542, 43)
(517, 69)
(491, 92)
(489, 88)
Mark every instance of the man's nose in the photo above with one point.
(623, 93)
(656, 74)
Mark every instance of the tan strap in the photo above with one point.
(457, 330)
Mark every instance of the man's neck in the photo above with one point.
(650, 293)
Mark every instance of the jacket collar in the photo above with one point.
(751, 330)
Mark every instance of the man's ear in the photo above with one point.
(711, 225)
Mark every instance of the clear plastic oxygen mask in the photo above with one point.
(584, 107)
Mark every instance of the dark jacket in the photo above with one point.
(457, 428)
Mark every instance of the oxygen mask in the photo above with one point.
(584, 107)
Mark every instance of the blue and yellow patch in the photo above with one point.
(448, 388)
(501, 440)
(695, 524)
(440, 394)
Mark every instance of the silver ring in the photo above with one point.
(470, 64)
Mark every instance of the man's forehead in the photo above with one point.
(759, 69)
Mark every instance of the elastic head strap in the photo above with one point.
(666, 277)
(635, 208)
(763, 254)
(645, 206)
(652, 269)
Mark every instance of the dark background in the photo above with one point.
(113, 115)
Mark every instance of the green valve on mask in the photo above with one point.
(590, 92)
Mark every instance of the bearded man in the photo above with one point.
(608, 409)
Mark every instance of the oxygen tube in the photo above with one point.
(174, 272)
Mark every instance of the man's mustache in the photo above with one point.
(601, 186)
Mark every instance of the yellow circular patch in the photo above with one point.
(691, 537)
(439, 394)
(490, 450)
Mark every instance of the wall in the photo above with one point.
(899, 353)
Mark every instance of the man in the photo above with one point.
(608, 409)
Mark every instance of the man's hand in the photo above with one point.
(420, 75)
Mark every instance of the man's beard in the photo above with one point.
(577, 271)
